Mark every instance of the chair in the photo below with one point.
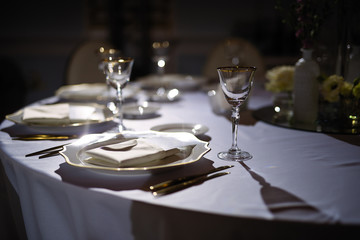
(13, 86)
(83, 66)
(233, 51)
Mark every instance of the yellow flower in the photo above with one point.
(330, 88)
(356, 91)
(346, 89)
(281, 79)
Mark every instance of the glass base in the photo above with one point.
(238, 157)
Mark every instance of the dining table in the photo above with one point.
(300, 184)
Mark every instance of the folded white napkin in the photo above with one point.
(84, 91)
(61, 113)
(130, 152)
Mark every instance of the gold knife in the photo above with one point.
(165, 184)
(44, 137)
(47, 150)
(183, 185)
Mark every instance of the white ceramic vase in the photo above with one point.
(306, 89)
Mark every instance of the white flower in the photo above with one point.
(281, 79)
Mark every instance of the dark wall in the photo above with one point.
(40, 36)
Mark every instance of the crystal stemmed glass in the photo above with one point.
(236, 83)
(103, 54)
(107, 53)
(118, 71)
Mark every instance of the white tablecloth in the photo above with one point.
(298, 185)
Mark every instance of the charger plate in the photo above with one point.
(140, 110)
(76, 156)
(93, 91)
(196, 129)
(168, 81)
(17, 117)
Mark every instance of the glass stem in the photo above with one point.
(235, 118)
(119, 102)
(108, 88)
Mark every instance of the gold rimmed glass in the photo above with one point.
(236, 83)
(107, 54)
(118, 71)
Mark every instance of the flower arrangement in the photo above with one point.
(334, 88)
(280, 79)
(340, 102)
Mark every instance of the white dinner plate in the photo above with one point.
(139, 110)
(164, 95)
(76, 156)
(93, 91)
(196, 129)
(103, 112)
(168, 81)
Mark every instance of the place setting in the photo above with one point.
(196, 129)
(93, 92)
(181, 82)
(163, 95)
(169, 87)
(141, 110)
(61, 115)
(59, 121)
(134, 152)
(119, 150)
(69, 115)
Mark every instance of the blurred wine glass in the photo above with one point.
(160, 57)
(118, 71)
(107, 54)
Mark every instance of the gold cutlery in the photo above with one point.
(44, 137)
(168, 183)
(48, 151)
(186, 184)
(50, 154)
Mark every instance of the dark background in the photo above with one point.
(37, 38)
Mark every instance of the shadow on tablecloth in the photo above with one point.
(127, 181)
(153, 222)
(160, 222)
(285, 205)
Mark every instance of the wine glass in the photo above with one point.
(103, 54)
(106, 53)
(160, 58)
(118, 71)
(236, 83)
